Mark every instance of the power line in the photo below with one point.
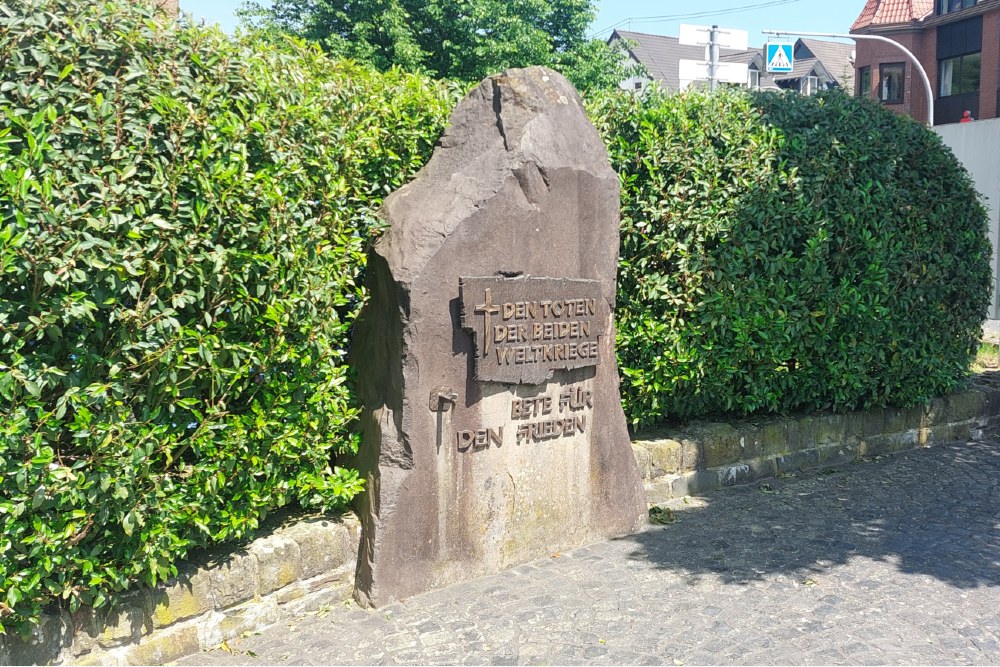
(694, 15)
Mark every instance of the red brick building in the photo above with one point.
(956, 41)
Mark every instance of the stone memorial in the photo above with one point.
(493, 432)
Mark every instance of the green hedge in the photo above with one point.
(782, 251)
(182, 221)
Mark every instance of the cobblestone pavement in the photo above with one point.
(892, 561)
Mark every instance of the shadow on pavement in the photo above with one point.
(933, 512)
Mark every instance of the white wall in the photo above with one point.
(977, 145)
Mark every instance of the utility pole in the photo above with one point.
(713, 58)
(878, 38)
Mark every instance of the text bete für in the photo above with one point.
(571, 409)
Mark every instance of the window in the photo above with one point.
(638, 85)
(864, 81)
(960, 75)
(753, 79)
(948, 6)
(890, 87)
(809, 85)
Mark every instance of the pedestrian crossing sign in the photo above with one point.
(779, 57)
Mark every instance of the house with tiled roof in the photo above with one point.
(832, 63)
(957, 42)
(757, 77)
(660, 56)
(818, 64)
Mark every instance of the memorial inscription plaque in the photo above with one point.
(525, 328)
(493, 432)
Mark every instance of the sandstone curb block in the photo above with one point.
(704, 456)
(293, 570)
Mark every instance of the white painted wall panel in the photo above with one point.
(977, 145)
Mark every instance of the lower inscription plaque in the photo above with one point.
(535, 419)
(525, 328)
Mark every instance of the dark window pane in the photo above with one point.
(946, 6)
(891, 82)
(961, 37)
(970, 73)
(864, 81)
(959, 76)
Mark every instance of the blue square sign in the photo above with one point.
(779, 57)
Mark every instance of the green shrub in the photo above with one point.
(182, 220)
(789, 251)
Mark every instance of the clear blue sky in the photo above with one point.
(661, 17)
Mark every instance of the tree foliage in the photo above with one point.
(182, 221)
(463, 40)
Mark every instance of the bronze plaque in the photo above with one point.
(525, 328)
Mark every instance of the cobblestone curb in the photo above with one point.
(295, 569)
(703, 456)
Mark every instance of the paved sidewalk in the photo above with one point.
(895, 561)
(991, 332)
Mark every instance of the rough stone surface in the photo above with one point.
(234, 579)
(278, 562)
(122, 625)
(189, 595)
(323, 545)
(774, 437)
(720, 443)
(518, 189)
(248, 617)
(643, 461)
(669, 455)
(891, 561)
(169, 644)
(42, 646)
(99, 658)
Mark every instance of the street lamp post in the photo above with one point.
(878, 38)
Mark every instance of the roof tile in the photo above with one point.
(887, 12)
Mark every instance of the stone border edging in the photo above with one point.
(295, 569)
(309, 564)
(703, 456)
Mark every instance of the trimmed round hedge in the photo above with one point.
(782, 251)
(182, 221)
